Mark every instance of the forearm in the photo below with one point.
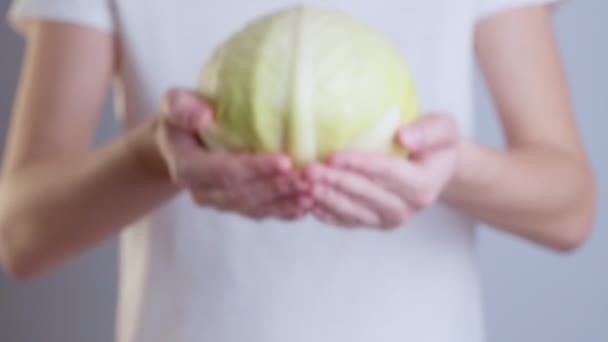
(50, 211)
(545, 195)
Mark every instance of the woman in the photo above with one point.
(206, 250)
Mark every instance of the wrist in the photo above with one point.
(475, 171)
(144, 151)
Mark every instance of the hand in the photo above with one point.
(256, 185)
(385, 191)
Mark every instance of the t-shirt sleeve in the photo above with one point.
(97, 14)
(486, 8)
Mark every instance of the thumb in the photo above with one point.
(430, 133)
(187, 110)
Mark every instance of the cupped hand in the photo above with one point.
(256, 185)
(355, 189)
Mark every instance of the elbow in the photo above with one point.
(17, 269)
(18, 257)
(575, 225)
(571, 239)
(15, 260)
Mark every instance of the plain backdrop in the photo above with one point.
(531, 294)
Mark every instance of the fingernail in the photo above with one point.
(178, 102)
(410, 138)
(184, 116)
(204, 121)
(283, 164)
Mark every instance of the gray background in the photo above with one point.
(531, 295)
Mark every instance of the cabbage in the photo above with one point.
(307, 82)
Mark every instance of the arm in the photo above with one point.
(541, 187)
(57, 198)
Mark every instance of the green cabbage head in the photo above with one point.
(307, 82)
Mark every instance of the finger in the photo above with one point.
(428, 134)
(287, 208)
(403, 178)
(256, 193)
(394, 173)
(187, 110)
(225, 171)
(343, 208)
(207, 171)
(327, 217)
(273, 188)
(388, 206)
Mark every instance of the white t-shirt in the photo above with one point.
(195, 275)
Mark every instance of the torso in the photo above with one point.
(191, 274)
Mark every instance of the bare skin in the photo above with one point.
(540, 187)
(58, 197)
